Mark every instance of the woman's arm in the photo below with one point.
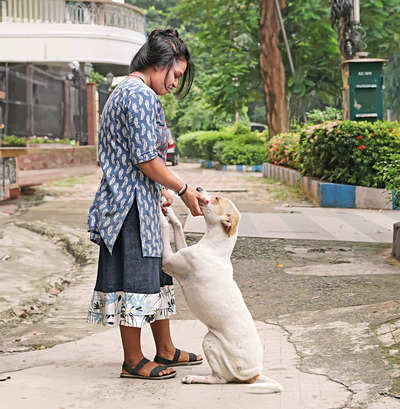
(157, 171)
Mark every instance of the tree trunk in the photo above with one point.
(271, 66)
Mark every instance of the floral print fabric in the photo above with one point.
(131, 309)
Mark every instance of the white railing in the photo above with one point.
(71, 12)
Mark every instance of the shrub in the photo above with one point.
(316, 116)
(236, 153)
(206, 141)
(210, 145)
(388, 173)
(238, 128)
(187, 145)
(283, 150)
(44, 139)
(348, 152)
(13, 141)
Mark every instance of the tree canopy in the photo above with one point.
(222, 35)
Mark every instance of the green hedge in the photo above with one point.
(200, 144)
(355, 153)
(231, 145)
(236, 153)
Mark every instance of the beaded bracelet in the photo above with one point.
(183, 190)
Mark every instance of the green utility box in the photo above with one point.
(363, 89)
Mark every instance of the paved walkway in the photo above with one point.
(86, 371)
(314, 223)
(324, 360)
(38, 177)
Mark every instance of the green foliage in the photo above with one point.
(392, 85)
(283, 150)
(234, 152)
(348, 152)
(187, 145)
(207, 140)
(317, 116)
(44, 139)
(381, 21)
(97, 78)
(388, 173)
(225, 46)
(200, 144)
(13, 141)
(315, 49)
(230, 145)
(223, 38)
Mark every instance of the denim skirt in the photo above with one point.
(130, 290)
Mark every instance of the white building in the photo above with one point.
(54, 33)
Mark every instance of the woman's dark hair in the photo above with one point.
(163, 48)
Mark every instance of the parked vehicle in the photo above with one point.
(172, 153)
(255, 126)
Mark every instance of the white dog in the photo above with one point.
(232, 346)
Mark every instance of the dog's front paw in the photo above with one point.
(188, 379)
(171, 216)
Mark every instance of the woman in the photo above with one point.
(131, 290)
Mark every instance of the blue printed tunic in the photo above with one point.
(132, 131)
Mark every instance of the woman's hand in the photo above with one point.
(156, 170)
(167, 201)
(191, 198)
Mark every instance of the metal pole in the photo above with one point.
(278, 10)
(80, 108)
(7, 99)
(356, 11)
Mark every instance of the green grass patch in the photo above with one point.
(286, 192)
(69, 182)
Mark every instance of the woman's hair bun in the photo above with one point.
(169, 32)
(173, 32)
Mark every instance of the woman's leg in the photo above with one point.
(165, 346)
(133, 354)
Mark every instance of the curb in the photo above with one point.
(208, 164)
(333, 194)
(396, 241)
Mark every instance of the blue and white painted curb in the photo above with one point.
(208, 164)
(333, 194)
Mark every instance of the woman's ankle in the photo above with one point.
(166, 349)
(133, 360)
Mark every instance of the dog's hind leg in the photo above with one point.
(209, 379)
(220, 374)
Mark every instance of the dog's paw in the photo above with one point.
(188, 379)
(171, 216)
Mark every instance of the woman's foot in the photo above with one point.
(175, 356)
(147, 368)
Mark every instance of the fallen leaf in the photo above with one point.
(279, 265)
(54, 291)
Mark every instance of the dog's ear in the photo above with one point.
(230, 222)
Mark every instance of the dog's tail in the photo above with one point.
(263, 384)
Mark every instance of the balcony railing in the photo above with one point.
(72, 12)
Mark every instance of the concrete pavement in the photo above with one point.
(314, 223)
(327, 311)
(84, 374)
